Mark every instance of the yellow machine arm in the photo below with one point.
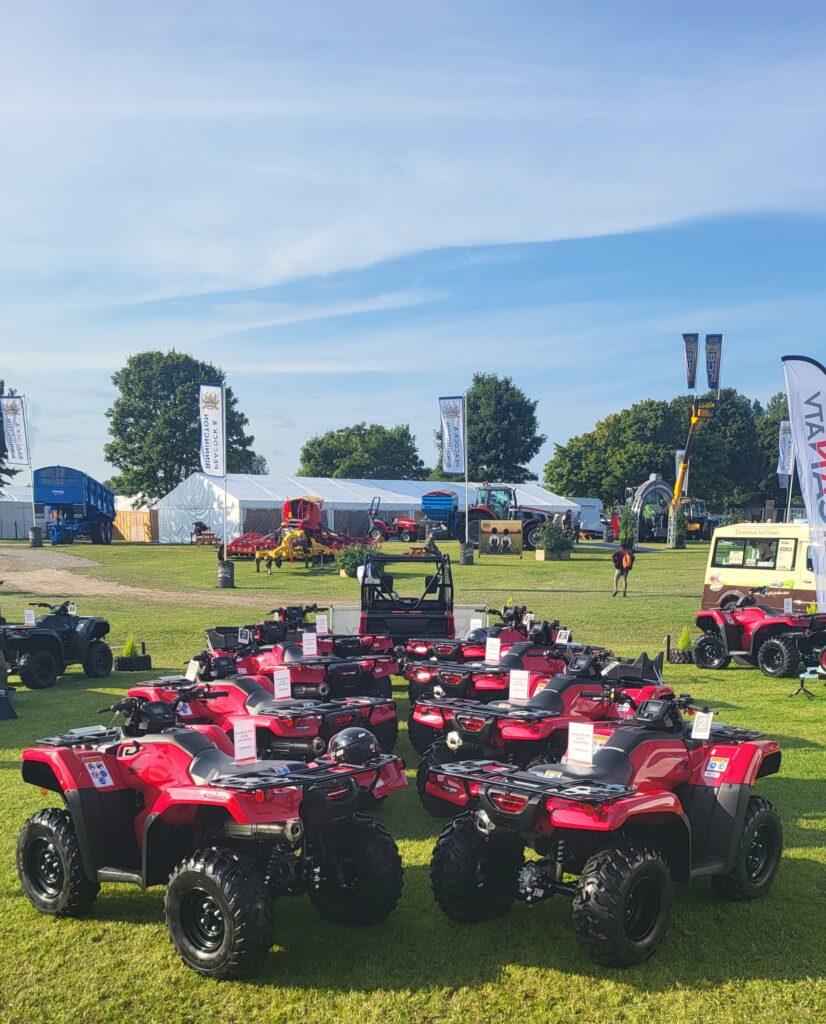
(699, 411)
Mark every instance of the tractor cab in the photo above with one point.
(500, 500)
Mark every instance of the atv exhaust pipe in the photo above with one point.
(312, 691)
(291, 830)
(297, 748)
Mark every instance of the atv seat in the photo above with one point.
(292, 654)
(262, 702)
(213, 763)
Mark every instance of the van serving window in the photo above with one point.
(755, 553)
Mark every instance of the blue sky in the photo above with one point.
(352, 207)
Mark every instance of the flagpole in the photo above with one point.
(224, 434)
(29, 453)
(464, 431)
(789, 492)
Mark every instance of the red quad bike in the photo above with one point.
(283, 728)
(515, 626)
(757, 636)
(529, 732)
(291, 622)
(404, 528)
(656, 806)
(156, 805)
(478, 680)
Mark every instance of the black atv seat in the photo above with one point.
(213, 763)
(263, 703)
(292, 654)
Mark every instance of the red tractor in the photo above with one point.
(500, 502)
(403, 528)
(755, 635)
(653, 805)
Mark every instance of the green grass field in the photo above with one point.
(721, 962)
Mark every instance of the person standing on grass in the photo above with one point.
(615, 524)
(623, 560)
(577, 524)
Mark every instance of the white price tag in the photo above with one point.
(493, 647)
(520, 680)
(563, 636)
(193, 670)
(28, 617)
(282, 690)
(309, 644)
(788, 606)
(243, 731)
(321, 626)
(73, 609)
(581, 743)
(476, 624)
(701, 730)
(244, 636)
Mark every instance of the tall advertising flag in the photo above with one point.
(806, 389)
(714, 355)
(692, 348)
(14, 430)
(452, 414)
(784, 457)
(213, 446)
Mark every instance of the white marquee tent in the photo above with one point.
(15, 512)
(253, 501)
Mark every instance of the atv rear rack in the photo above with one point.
(515, 780)
(90, 736)
(459, 705)
(274, 778)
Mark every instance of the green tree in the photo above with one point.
(154, 424)
(502, 431)
(363, 451)
(768, 437)
(6, 472)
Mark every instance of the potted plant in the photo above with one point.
(683, 653)
(349, 559)
(131, 660)
(553, 542)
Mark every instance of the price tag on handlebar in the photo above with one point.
(281, 684)
(244, 636)
(476, 624)
(321, 626)
(701, 730)
(563, 636)
(788, 606)
(309, 644)
(193, 670)
(28, 617)
(493, 647)
(519, 683)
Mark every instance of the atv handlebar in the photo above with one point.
(611, 695)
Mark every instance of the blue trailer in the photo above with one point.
(441, 511)
(73, 505)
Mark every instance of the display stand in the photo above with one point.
(810, 673)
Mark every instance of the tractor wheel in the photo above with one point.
(779, 657)
(758, 854)
(530, 532)
(710, 653)
(98, 663)
(386, 734)
(473, 532)
(96, 534)
(377, 534)
(622, 904)
(38, 670)
(474, 877)
(405, 537)
(218, 913)
(438, 753)
(50, 866)
(421, 736)
(364, 882)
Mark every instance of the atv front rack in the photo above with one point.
(311, 775)
(515, 780)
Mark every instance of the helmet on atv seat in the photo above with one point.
(353, 746)
(291, 653)
(476, 636)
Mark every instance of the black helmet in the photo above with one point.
(353, 746)
(291, 653)
(477, 636)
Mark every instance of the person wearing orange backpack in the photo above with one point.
(623, 560)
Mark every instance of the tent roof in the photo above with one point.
(266, 491)
(23, 492)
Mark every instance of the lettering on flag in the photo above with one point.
(452, 416)
(213, 445)
(692, 347)
(13, 409)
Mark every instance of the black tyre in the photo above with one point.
(405, 537)
(50, 867)
(439, 753)
(421, 736)
(622, 904)
(474, 876)
(710, 653)
(218, 913)
(758, 854)
(386, 734)
(365, 883)
(96, 533)
(380, 687)
(530, 534)
(98, 663)
(778, 657)
(473, 532)
(38, 670)
(377, 534)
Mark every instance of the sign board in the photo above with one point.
(701, 729)
(244, 636)
(321, 626)
(520, 680)
(500, 537)
(581, 743)
(476, 624)
(282, 690)
(493, 647)
(72, 609)
(243, 732)
(563, 636)
(788, 606)
(309, 644)
(28, 617)
(193, 670)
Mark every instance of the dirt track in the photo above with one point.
(48, 572)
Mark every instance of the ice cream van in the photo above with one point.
(774, 556)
